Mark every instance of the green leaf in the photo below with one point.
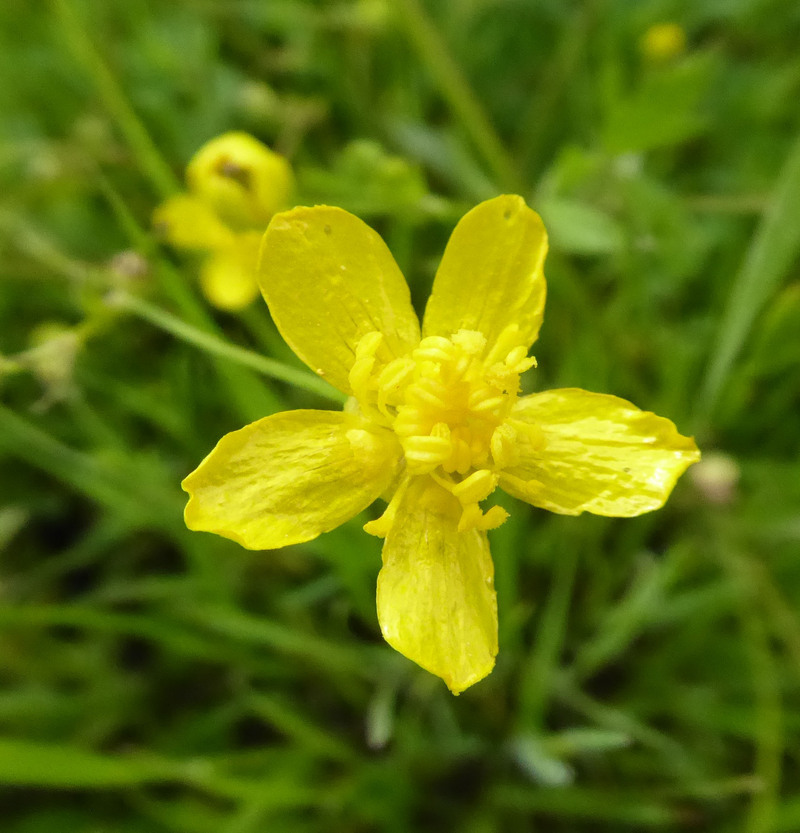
(579, 228)
(28, 763)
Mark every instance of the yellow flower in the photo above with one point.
(235, 185)
(434, 421)
(663, 41)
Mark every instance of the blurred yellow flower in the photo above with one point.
(663, 41)
(434, 422)
(234, 186)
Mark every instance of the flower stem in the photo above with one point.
(216, 346)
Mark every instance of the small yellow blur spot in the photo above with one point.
(663, 41)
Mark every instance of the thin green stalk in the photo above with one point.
(215, 346)
(111, 93)
(174, 285)
(251, 400)
(773, 249)
(432, 51)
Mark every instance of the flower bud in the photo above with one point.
(241, 179)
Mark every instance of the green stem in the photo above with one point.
(432, 51)
(215, 346)
(251, 400)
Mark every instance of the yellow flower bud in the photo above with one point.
(663, 41)
(241, 179)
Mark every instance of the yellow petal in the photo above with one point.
(189, 223)
(228, 276)
(436, 599)
(329, 280)
(491, 274)
(241, 178)
(286, 478)
(595, 453)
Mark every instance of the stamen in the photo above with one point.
(434, 349)
(508, 340)
(471, 342)
(482, 404)
(473, 518)
(532, 433)
(449, 403)
(381, 527)
(503, 446)
(423, 454)
(475, 488)
(368, 344)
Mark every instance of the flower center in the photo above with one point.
(448, 402)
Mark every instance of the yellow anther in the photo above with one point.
(429, 445)
(391, 380)
(460, 458)
(425, 453)
(502, 377)
(503, 446)
(422, 398)
(470, 518)
(447, 403)
(368, 344)
(395, 374)
(516, 355)
(528, 486)
(475, 488)
(380, 527)
(471, 342)
(482, 403)
(530, 432)
(508, 340)
(434, 349)
(360, 374)
(518, 360)
(473, 518)
(496, 516)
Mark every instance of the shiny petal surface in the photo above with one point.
(436, 598)
(329, 279)
(491, 273)
(189, 223)
(286, 478)
(599, 454)
(228, 275)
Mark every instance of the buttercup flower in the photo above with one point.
(434, 422)
(234, 186)
(663, 41)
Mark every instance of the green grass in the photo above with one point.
(153, 679)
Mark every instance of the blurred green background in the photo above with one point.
(153, 679)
